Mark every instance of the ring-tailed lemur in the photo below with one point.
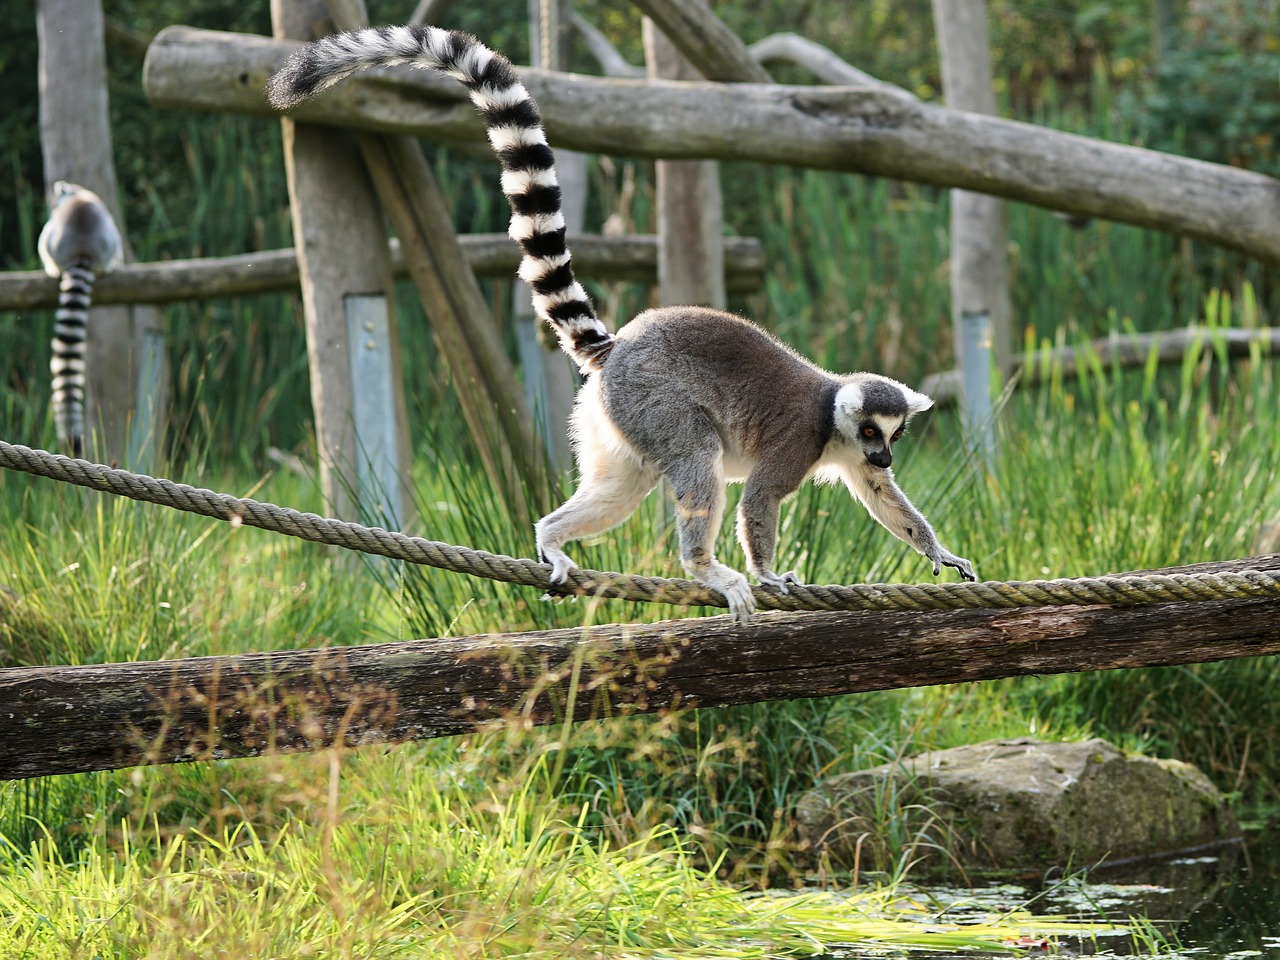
(695, 395)
(79, 240)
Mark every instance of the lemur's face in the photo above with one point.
(872, 412)
(877, 435)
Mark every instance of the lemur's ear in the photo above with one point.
(849, 399)
(917, 402)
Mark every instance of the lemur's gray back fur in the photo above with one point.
(79, 239)
(516, 135)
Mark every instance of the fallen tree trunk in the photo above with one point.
(62, 719)
(859, 129)
(631, 258)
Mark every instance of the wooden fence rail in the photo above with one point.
(65, 719)
(631, 258)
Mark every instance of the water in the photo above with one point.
(1216, 903)
(1212, 904)
(1223, 902)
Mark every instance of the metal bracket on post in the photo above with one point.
(144, 434)
(975, 382)
(373, 406)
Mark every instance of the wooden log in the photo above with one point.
(706, 42)
(630, 258)
(66, 719)
(817, 59)
(860, 129)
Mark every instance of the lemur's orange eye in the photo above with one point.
(897, 434)
(869, 432)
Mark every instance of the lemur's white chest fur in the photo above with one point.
(737, 466)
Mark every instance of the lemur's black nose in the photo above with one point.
(880, 458)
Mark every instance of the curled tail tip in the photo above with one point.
(299, 79)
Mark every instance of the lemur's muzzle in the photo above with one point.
(880, 458)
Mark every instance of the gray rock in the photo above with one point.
(1013, 805)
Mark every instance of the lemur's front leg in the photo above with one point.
(758, 528)
(885, 501)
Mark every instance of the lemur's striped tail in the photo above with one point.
(66, 362)
(517, 136)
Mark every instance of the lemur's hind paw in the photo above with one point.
(734, 586)
(561, 565)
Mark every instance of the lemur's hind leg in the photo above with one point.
(607, 494)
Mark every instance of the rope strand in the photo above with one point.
(1086, 591)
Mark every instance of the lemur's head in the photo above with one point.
(873, 411)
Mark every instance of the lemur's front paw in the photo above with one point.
(780, 581)
(946, 558)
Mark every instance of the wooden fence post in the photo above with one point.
(345, 269)
(483, 376)
(125, 345)
(690, 221)
(979, 234)
(549, 378)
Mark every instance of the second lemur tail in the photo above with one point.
(516, 135)
(67, 359)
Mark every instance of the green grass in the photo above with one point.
(404, 855)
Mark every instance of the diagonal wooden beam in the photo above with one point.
(705, 40)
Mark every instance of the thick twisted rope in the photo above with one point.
(1087, 591)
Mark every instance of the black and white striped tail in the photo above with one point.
(516, 135)
(68, 352)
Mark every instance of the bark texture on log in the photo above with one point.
(859, 129)
(67, 719)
